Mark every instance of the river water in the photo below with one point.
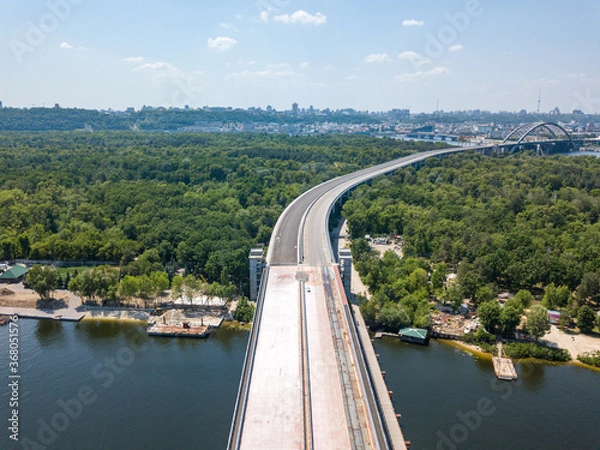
(106, 385)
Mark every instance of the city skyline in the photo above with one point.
(458, 55)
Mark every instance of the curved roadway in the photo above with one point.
(305, 382)
(311, 210)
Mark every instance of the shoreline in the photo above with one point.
(478, 352)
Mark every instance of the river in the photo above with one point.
(106, 385)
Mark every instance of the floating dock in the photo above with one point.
(504, 367)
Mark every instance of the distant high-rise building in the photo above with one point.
(295, 108)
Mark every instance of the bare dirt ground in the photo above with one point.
(574, 343)
(16, 296)
(381, 249)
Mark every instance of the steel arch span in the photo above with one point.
(521, 132)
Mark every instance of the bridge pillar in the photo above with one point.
(345, 258)
(257, 265)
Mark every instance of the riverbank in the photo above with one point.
(482, 354)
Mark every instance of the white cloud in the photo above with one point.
(304, 65)
(328, 68)
(264, 16)
(412, 23)
(221, 43)
(67, 46)
(455, 48)
(377, 58)
(421, 75)
(351, 77)
(158, 65)
(417, 59)
(301, 17)
(135, 59)
(409, 56)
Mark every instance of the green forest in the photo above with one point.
(514, 223)
(162, 201)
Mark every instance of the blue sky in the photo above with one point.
(469, 54)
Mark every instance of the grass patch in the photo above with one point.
(590, 358)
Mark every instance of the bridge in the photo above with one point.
(311, 379)
(528, 136)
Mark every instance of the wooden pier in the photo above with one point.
(504, 367)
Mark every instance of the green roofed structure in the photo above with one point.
(14, 275)
(414, 335)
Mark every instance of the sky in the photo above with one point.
(496, 55)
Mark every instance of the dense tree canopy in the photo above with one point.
(510, 223)
(155, 202)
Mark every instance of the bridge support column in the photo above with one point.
(345, 258)
(257, 265)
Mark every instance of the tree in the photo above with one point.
(128, 287)
(556, 296)
(244, 311)
(159, 281)
(469, 281)
(101, 282)
(525, 297)
(369, 310)
(394, 317)
(177, 287)
(484, 294)
(452, 295)
(191, 286)
(586, 319)
(438, 277)
(514, 303)
(538, 321)
(43, 280)
(589, 288)
(145, 290)
(489, 315)
(509, 320)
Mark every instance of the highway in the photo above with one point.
(306, 383)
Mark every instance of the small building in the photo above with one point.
(14, 275)
(414, 335)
